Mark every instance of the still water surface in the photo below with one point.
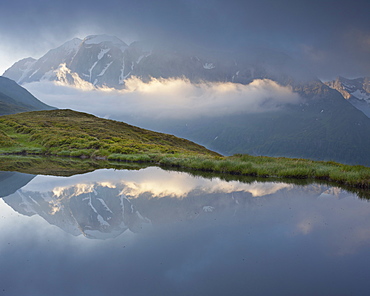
(154, 232)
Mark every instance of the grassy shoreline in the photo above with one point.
(263, 167)
(237, 165)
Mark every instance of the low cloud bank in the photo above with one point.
(168, 98)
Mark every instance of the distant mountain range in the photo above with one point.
(102, 60)
(15, 99)
(356, 91)
(324, 126)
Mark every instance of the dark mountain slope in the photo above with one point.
(15, 99)
(10, 182)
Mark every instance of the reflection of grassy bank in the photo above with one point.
(361, 192)
(233, 167)
(59, 166)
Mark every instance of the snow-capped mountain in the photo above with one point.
(98, 59)
(102, 60)
(356, 91)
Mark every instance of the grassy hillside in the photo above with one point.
(70, 133)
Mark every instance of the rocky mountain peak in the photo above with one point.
(356, 91)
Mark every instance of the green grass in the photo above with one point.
(270, 167)
(76, 134)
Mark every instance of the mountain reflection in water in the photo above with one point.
(154, 232)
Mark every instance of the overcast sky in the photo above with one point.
(332, 37)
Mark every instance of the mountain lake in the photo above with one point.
(158, 232)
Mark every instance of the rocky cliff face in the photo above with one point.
(356, 91)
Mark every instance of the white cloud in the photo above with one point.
(168, 98)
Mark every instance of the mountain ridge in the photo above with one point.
(106, 61)
(15, 99)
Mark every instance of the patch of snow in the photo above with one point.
(122, 205)
(34, 201)
(208, 209)
(121, 78)
(347, 85)
(104, 205)
(208, 66)
(25, 204)
(34, 73)
(102, 221)
(92, 67)
(140, 58)
(103, 52)
(361, 95)
(99, 217)
(105, 69)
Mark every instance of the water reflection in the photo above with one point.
(103, 204)
(168, 233)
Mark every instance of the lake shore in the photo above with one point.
(357, 177)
